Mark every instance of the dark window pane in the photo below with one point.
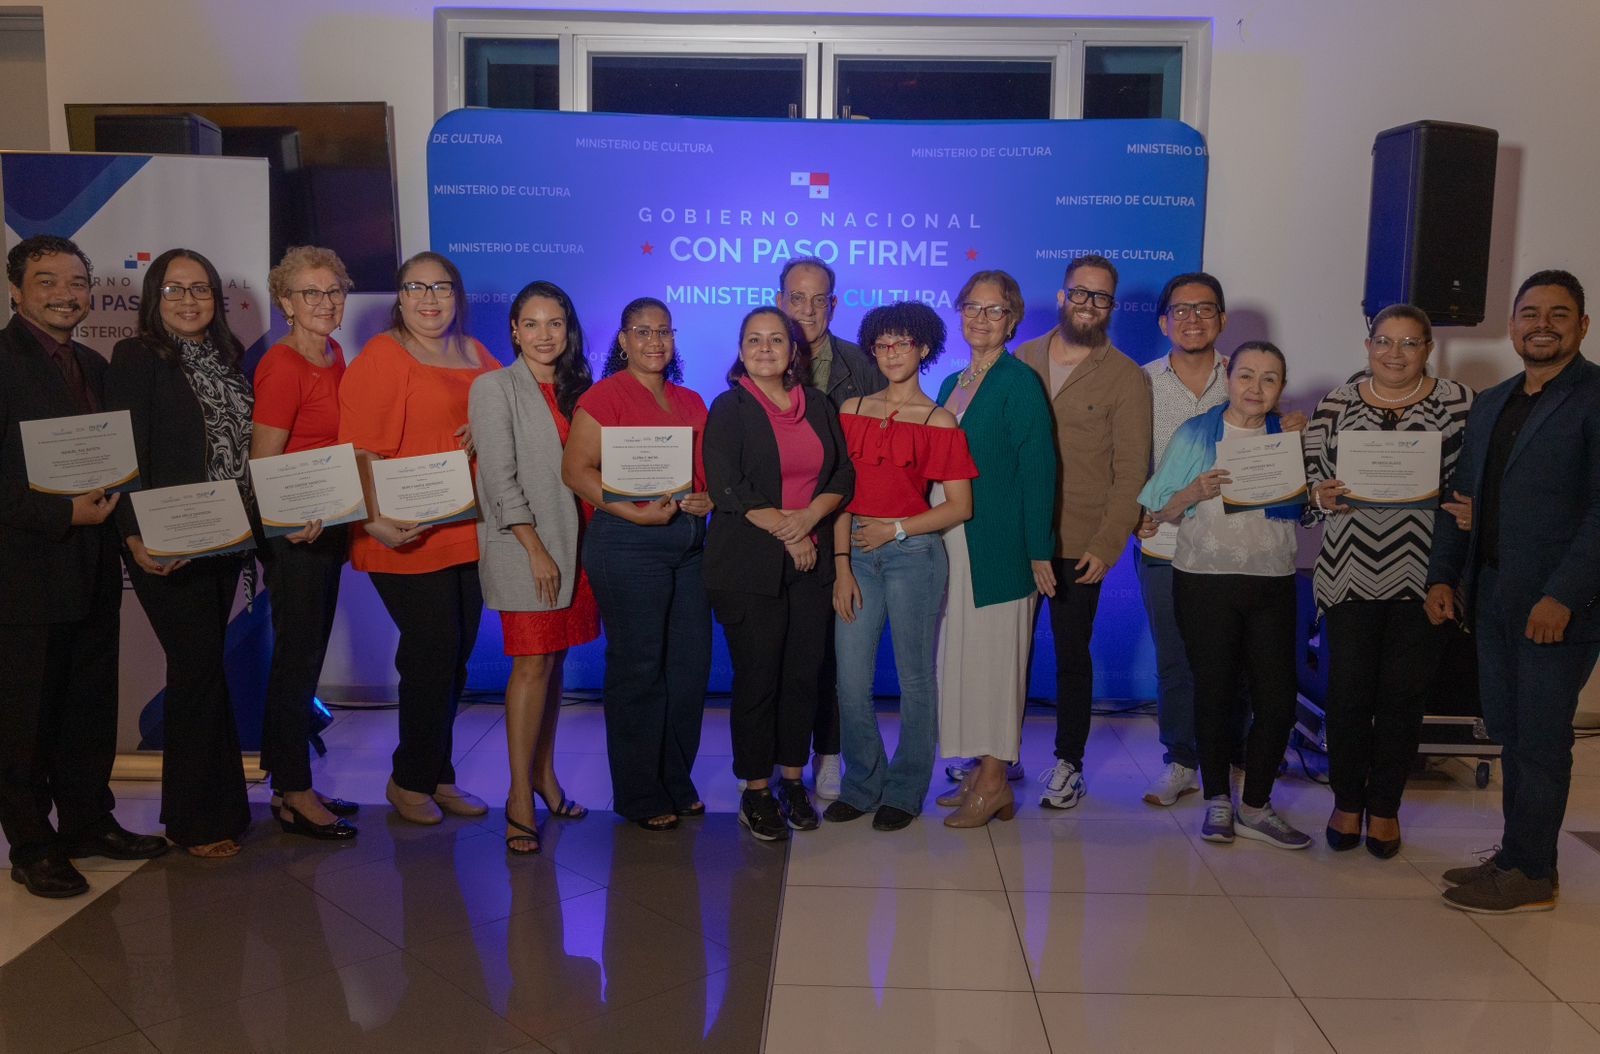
(512, 73)
(696, 86)
(932, 90)
(1129, 81)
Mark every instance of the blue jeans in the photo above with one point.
(903, 583)
(658, 657)
(1529, 693)
(1174, 682)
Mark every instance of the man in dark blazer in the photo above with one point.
(60, 595)
(807, 294)
(1519, 563)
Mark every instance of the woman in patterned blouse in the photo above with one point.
(1383, 652)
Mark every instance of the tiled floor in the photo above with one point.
(1108, 928)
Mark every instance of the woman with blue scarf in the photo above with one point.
(1234, 594)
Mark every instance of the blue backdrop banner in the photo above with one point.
(703, 213)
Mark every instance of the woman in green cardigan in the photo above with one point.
(989, 611)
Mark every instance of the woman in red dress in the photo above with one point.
(528, 539)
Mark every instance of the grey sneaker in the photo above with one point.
(1460, 876)
(1218, 825)
(959, 770)
(1503, 893)
(1270, 828)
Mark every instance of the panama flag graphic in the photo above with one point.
(817, 181)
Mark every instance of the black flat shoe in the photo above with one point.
(697, 809)
(659, 823)
(1382, 849)
(115, 843)
(52, 878)
(337, 831)
(839, 812)
(1340, 842)
(337, 806)
(888, 818)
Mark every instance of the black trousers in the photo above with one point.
(202, 775)
(1234, 623)
(1072, 612)
(304, 585)
(437, 613)
(776, 644)
(1383, 656)
(825, 731)
(58, 726)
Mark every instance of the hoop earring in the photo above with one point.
(624, 353)
(290, 320)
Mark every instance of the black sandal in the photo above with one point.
(565, 808)
(659, 823)
(528, 835)
(697, 809)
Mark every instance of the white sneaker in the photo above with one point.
(1175, 781)
(825, 773)
(1063, 786)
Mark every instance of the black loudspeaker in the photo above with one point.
(1428, 232)
(178, 133)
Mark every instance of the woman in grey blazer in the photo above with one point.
(528, 539)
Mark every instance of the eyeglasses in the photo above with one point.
(418, 290)
(1205, 309)
(1407, 344)
(818, 302)
(886, 347)
(199, 290)
(1079, 295)
(313, 297)
(992, 312)
(665, 335)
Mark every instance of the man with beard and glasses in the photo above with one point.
(1101, 402)
(60, 594)
(1525, 576)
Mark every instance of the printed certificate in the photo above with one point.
(1389, 470)
(74, 455)
(1265, 470)
(201, 519)
(639, 464)
(1162, 545)
(432, 488)
(294, 489)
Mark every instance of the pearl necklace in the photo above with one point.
(969, 376)
(1373, 388)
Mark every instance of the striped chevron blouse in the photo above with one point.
(1378, 554)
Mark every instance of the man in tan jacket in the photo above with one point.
(1101, 402)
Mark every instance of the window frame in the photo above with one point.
(823, 41)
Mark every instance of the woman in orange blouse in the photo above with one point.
(297, 408)
(404, 396)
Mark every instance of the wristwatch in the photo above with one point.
(900, 534)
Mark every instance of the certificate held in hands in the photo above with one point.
(74, 455)
(642, 464)
(1390, 470)
(1264, 470)
(294, 489)
(200, 519)
(432, 488)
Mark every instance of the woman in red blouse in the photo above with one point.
(891, 563)
(406, 396)
(644, 559)
(297, 408)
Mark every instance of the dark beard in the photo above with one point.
(1083, 336)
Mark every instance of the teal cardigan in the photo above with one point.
(1010, 432)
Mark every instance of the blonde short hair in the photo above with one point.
(303, 258)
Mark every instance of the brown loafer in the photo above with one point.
(457, 802)
(413, 806)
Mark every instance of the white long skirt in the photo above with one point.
(982, 665)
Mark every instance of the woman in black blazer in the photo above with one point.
(180, 381)
(777, 470)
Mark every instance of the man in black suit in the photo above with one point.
(843, 371)
(60, 595)
(1520, 564)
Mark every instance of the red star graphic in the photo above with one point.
(645, 248)
(972, 254)
(245, 304)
